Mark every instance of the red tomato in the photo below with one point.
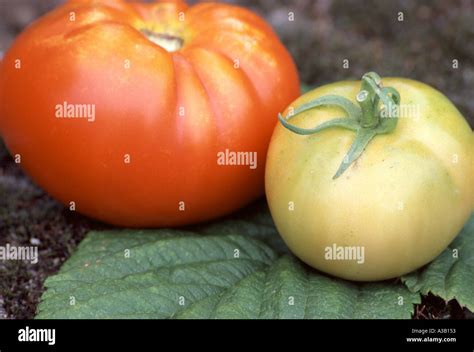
(123, 108)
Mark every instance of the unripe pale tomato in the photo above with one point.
(399, 198)
(123, 107)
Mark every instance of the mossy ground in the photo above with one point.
(322, 35)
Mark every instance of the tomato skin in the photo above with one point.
(169, 112)
(403, 200)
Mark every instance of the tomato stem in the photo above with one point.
(369, 118)
(369, 98)
(372, 116)
(167, 41)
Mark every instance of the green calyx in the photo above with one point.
(377, 113)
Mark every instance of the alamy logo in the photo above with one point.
(229, 157)
(75, 111)
(412, 111)
(9, 252)
(37, 335)
(336, 252)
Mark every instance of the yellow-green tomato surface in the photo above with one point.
(403, 200)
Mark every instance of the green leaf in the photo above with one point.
(213, 273)
(451, 274)
(305, 88)
(148, 274)
(254, 221)
(290, 290)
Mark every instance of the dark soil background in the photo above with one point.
(322, 35)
